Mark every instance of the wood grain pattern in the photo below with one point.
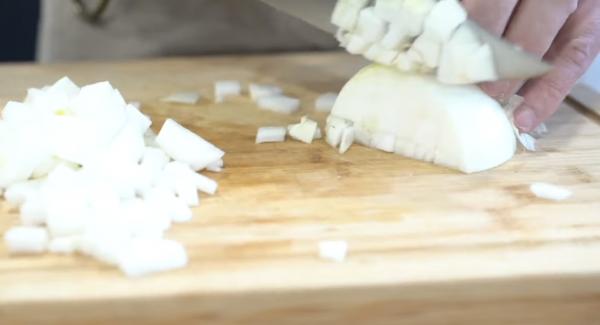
(427, 245)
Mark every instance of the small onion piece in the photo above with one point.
(333, 250)
(347, 139)
(305, 131)
(185, 146)
(279, 104)
(271, 134)
(258, 91)
(216, 167)
(186, 98)
(146, 256)
(26, 240)
(227, 88)
(550, 191)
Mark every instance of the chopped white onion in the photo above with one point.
(527, 141)
(183, 145)
(146, 256)
(271, 134)
(103, 182)
(205, 184)
(305, 131)
(550, 191)
(325, 102)
(384, 141)
(138, 118)
(227, 88)
(335, 130)
(216, 167)
(186, 98)
(279, 104)
(26, 240)
(64, 245)
(137, 105)
(258, 91)
(347, 139)
(18, 193)
(333, 250)
(183, 178)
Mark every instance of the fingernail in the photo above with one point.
(525, 119)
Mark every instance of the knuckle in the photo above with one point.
(579, 53)
(555, 90)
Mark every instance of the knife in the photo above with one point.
(510, 62)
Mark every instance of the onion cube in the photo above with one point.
(271, 134)
(258, 91)
(185, 146)
(227, 88)
(146, 256)
(27, 240)
(333, 250)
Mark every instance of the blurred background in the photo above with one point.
(144, 28)
(18, 29)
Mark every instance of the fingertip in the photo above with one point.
(525, 118)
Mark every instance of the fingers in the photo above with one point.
(491, 15)
(573, 51)
(534, 26)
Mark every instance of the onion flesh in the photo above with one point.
(270, 134)
(550, 191)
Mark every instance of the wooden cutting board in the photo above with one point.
(427, 244)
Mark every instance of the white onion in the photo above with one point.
(305, 131)
(325, 102)
(26, 240)
(227, 88)
(183, 181)
(64, 245)
(145, 256)
(205, 184)
(216, 167)
(279, 104)
(186, 98)
(333, 250)
(33, 211)
(384, 141)
(103, 181)
(419, 117)
(183, 145)
(370, 26)
(550, 191)
(258, 91)
(347, 139)
(271, 134)
(137, 117)
(18, 193)
(527, 141)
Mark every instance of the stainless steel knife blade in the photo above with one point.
(510, 62)
(314, 12)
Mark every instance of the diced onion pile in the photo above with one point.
(89, 176)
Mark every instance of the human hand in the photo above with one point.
(564, 32)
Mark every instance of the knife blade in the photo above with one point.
(315, 12)
(510, 63)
